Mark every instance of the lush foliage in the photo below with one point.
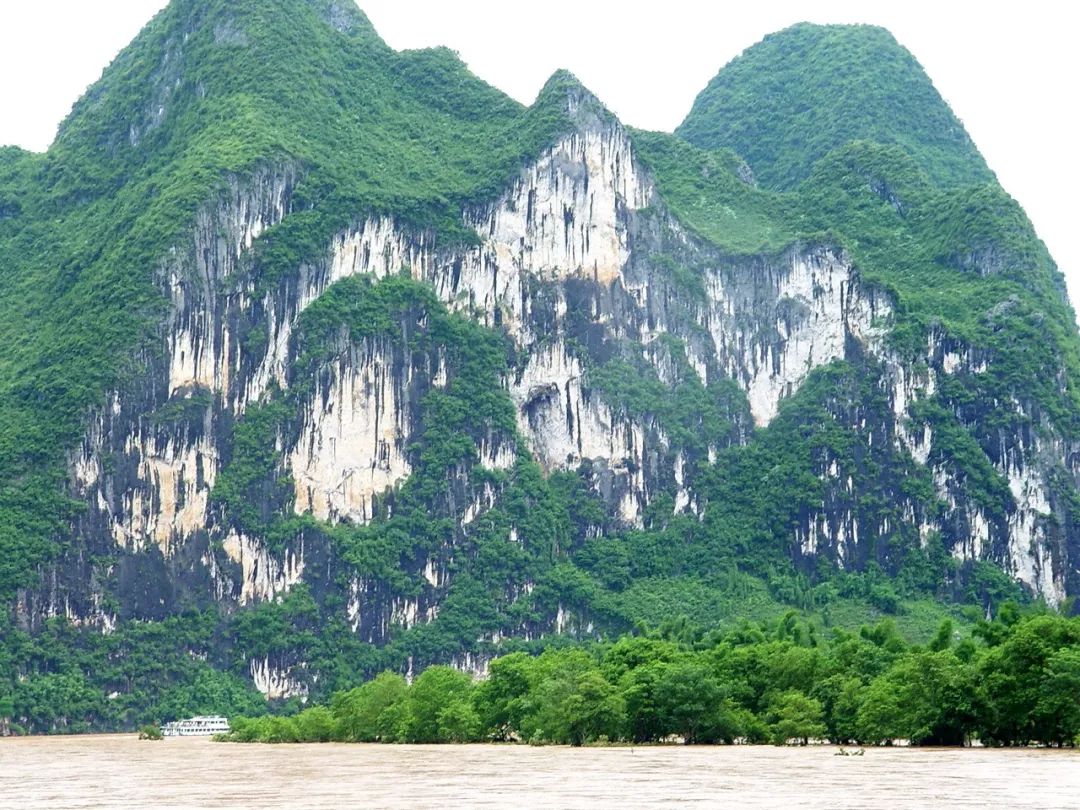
(714, 195)
(870, 161)
(212, 89)
(66, 680)
(802, 92)
(1011, 682)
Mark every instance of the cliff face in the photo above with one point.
(284, 432)
(565, 265)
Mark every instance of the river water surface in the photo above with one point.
(119, 771)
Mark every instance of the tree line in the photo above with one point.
(1011, 681)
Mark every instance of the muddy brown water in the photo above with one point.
(121, 772)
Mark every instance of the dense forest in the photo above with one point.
(1012, 681)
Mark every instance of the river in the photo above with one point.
(119, 771)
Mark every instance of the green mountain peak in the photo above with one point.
(565, 96)
(787, 101)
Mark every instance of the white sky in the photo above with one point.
(1009, 70)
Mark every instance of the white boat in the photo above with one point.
(196, 727)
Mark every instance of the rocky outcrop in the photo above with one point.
(354, 435)
(263, 575)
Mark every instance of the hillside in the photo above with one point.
(798, 94)
(319, 359)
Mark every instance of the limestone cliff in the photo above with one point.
(327, 423)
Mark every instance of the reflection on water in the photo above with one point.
(119, 771)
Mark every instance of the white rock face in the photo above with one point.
(477, 666)
(376, 248)
(1028, 547)
(497, 453)
(565, 217)
(274, 682)
(1030, 557)
(96, 617)
(176, 471)
(566, 424)
(1027, 544)
(482, 502)
(353, 442)
(568, 217)
(404, 613)
(174, 505)
(908, 387)
(264, 577)
(200, 349)
(684, 497)
(355, 606)
(822, 533)
(816, 303)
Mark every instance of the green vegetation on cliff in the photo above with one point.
(850, 148)
(212, 89)
(866, 155)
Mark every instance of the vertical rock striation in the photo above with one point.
(564, 264)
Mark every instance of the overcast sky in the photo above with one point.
(1009, 70)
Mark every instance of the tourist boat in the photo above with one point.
(196, 727)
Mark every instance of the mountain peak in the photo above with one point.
(565, 93)
(194, 50)
(789, 100)
(343, 15)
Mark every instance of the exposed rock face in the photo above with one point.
(1029, 534)
(275, 682)
(565, 266)
(352, 445)
(568, 424)
(1026, 531)
(263, 575)
(817, 304)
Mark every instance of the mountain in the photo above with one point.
(798, 94)
(319, 358)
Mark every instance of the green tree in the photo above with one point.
(840, 695)
(794, 716)
(436, 689)
(646, 720)
(691, 702)
(1012, 677)
(1059, 700)
(500, 699)
(881, 714)
(362, 714)
(925, 697)
(574, 703)
(459, 722)
(316, 724)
